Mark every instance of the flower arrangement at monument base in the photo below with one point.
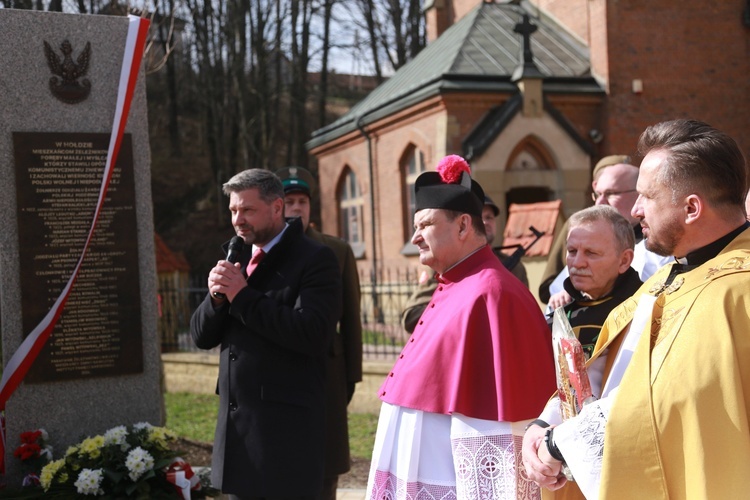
(125, 462)
(34, 453)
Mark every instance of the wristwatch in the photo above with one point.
(554, 451)
(541, 423)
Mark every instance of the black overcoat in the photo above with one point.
(274, 336)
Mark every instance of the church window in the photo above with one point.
(351, 210)
(412, 166)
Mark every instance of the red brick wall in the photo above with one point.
(445, 13)
(599, 52)
(436, 22)
(574, 14)
(693, 58)
(462, 7)
(436, 127)
(389, 142)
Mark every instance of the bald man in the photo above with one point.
(616, 187)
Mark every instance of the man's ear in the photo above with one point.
(464, 222)
(626, 258)
(694, 206)
(277, 206)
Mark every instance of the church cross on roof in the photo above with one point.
(525, 28)
(527, 68)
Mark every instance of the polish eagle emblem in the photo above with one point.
(65, 84)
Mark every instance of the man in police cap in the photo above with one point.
(344, 360)
(456, 402)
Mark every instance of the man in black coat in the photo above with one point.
(274, 328)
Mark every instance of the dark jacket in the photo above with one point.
(344, 359)
(586, 317)
(274, 335)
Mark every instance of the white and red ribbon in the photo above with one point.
(23, 358)
(181, 475)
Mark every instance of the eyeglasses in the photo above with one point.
(608, 194)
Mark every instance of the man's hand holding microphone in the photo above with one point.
(226, 279)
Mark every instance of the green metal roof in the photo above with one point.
(478, 53)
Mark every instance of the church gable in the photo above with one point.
(529, 160)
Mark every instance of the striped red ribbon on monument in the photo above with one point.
(22, 359)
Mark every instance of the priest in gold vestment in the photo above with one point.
(673, 418)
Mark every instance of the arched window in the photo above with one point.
(530, 154)
(412, 164)
(351, 210)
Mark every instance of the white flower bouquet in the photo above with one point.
(135, 462)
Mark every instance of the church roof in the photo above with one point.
(478, 53)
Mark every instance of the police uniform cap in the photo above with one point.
(296, 180)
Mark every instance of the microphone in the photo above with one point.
(233, 255)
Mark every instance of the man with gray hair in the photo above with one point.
(671, 420)
(555, 270)
(614, 185)
(599, 253)
(273, 316)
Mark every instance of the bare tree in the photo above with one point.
(265, 77)
(165, 37)
(240, 86)
(373, 30)
(326, 46)
(302, 12)
(207, 18)
(395, 31)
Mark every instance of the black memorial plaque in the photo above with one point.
(58, 179)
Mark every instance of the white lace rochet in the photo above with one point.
(581, 439)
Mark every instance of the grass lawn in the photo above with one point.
(362, 427)
(193, 416)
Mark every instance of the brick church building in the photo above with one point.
(533, 94)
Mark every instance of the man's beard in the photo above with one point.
(261, 234)
(667, 239)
